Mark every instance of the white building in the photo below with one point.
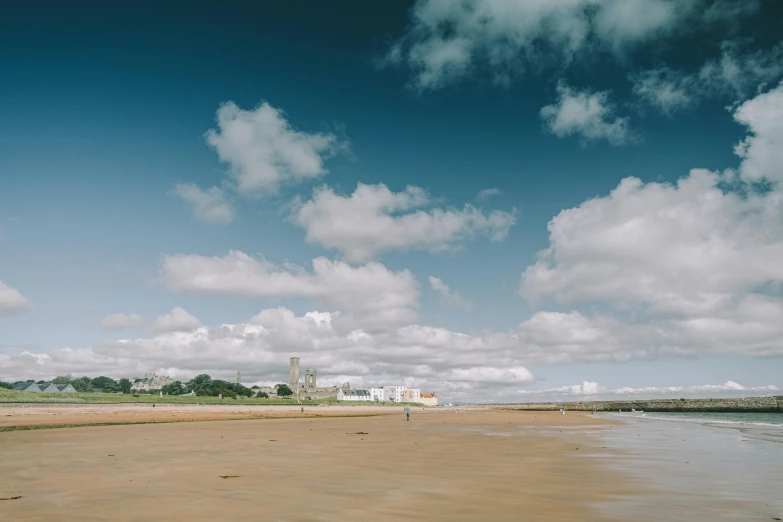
(411, 395)
(393, 393)
(376, 394)
(150, 382)
(354, 395)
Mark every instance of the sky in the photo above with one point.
(492, 200)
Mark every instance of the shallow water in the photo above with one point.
(700, 466)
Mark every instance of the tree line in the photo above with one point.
(203, 385)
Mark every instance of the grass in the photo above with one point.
(13, 396)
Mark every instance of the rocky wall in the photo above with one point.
(745, 404)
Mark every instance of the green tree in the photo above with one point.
(262, 395)
(108, 384)
(174, 388)
(283, 390)
(125, 385)
(82, 384)
(201, 384)
(62, 379)
(6, 385)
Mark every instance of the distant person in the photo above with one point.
(161, 394)
(407, 413)
(302, 409)
(562, 411)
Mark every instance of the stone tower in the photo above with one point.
(239, 377)
(313, 377)
(293, 376)
(308, 379)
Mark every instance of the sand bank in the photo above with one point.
(439, 466)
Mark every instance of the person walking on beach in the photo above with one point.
(407, 413)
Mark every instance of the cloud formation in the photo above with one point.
(694, 264)
(12, 301)
(447, 41)
(178, 320)
(448, 296)
(454, 365)
(264, 151)
(736, 73)
(590, 116)
(115, 322)
(371, 295)
(589, 390)
(374, 220)
(209, 205)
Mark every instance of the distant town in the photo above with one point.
(205, 386)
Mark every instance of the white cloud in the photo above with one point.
(374, 220)
(693, 265)
(593, 391)
(737, 73)
(459, 366)
(762, 151)
(264, 151)
(209, 205)
(447, 41)
(485, 194)
(587, 115)
(482, 367)
(12, 301)
(122, 322)
(372, 295)
(687, 248)
(178, 320)
(448, 296)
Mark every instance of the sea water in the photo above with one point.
(698, 466)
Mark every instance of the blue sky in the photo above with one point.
(105, 159)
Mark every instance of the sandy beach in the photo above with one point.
(442, 465)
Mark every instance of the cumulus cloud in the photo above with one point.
(448, 296)
(694, 264)
(485, 194)
(447, 41)
(762, 150)
(12, 301)
(587, 115)
(371, 294)
(593, 391)
(122, 322)
(480, 367)
(459, 366)
(374, 220)
(209, 205)
(178, 320)
(264, 151)
(737, 73)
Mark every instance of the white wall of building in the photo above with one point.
(349, 395)
(376, 394)
(393, 393)
(411, 395)
(428, 401)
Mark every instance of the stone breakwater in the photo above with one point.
(745, 404)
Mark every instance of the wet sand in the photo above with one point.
(439, 466)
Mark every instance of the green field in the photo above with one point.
(12, 396)
(115, 398)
